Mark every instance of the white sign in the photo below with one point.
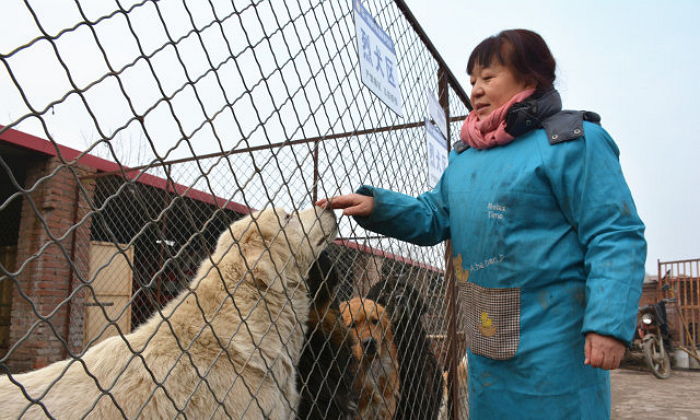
(436, 112)
(437, 153)
(377, 59)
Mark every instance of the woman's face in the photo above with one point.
(492, 87)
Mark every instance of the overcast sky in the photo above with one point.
(636, 64)
(633, 62)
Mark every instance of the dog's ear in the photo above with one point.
(329, 273)
(318, 272)
(417, 307)
(315, 278)
(379, 292)
(322, 279)
(412, 298)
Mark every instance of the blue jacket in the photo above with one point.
(549, 244)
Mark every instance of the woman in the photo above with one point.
(544, 233)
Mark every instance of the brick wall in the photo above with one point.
(649, 294)
(47, 279)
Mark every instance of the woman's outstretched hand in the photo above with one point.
(352, 204)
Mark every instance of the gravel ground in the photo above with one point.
(637, 394)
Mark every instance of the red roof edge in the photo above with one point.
(378, 252)
(28, 141)
(73, 156)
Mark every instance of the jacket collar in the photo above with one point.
(529, 114)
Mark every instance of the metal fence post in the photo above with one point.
(452, 309)
(314, 188)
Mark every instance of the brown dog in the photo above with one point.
(419, 370)
(377, 378)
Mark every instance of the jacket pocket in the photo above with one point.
(492, 321)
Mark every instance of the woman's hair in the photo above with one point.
(523, 51)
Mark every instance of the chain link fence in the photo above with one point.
(135, 134)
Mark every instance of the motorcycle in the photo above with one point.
(653, 338)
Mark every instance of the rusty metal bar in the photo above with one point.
(314, 187)
(453, 379)
(125, 170)
(696, 300)
(359, 238)
(678, 261)
(452, 308)
(693, 303)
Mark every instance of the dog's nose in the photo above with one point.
(370, 346)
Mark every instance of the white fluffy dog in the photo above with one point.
(226, 347)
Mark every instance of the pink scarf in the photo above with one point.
(491, 131)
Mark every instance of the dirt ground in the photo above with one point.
(637, 394)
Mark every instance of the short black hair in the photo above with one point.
(525, 52)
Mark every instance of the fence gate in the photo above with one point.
(683, 280)
(136, 132)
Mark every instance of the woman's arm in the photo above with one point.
(422, 220)
(587, 180)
